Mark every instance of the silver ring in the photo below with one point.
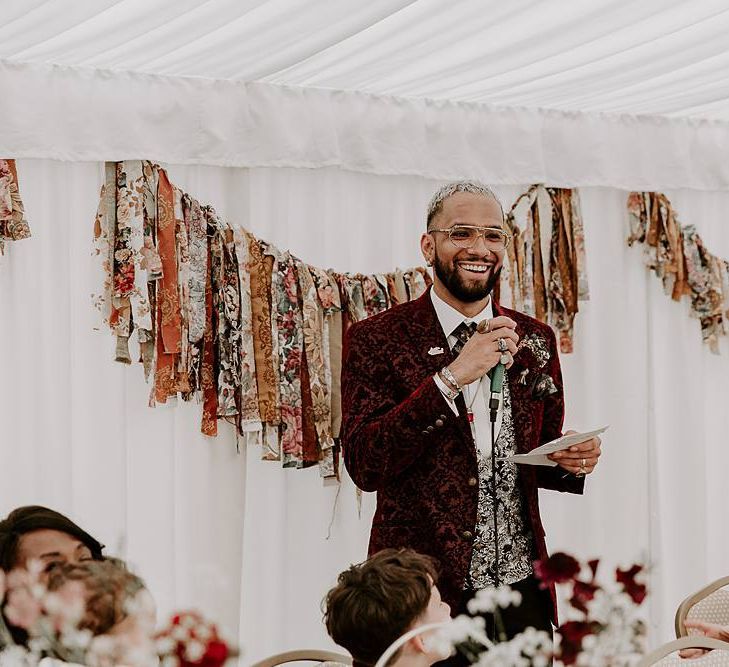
(502, 345)
(582, 472)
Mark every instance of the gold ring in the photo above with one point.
(484, 326)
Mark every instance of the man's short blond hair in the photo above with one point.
(435, 205)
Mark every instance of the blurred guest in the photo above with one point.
(34, 532)
(379, 600)
(117, 610)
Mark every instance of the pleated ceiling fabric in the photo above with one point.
(667, 57)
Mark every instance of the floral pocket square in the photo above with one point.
(542, 386)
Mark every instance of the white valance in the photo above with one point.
(78, 114)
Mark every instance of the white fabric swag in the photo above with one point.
(81, 114)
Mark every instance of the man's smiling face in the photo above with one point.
(469, 274)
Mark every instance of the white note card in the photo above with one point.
(538, 456)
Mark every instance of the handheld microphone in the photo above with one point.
(497, 385)
(497, 376)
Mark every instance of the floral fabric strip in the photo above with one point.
(130, 277)
(331, 301)
(226, 311)
(374, 296)
(208, 375)
(678, 256)
(284, 292)
(544, 274)
(183, 273)
(103, 246)
(250, 416)
(13, 225)
(563, 277)
(319, 378)
(260, 270)
(167, 299)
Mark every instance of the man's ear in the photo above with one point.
(427, 247)
(418, 644)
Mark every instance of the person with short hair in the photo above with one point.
(377, 601)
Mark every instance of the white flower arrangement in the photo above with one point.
(603, 626)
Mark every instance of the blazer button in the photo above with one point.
(467, 534)
(443, 417)
(431, 429)
(472, 481)
(426, 433)
(439, 422)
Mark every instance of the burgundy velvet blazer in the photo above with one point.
(400, 438)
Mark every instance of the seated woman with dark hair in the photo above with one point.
(39, 533)
(376, 602)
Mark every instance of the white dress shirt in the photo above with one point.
(476, 394)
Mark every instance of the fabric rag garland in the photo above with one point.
(545, 272)
(13, 225)
(251, 331)
(678, 256)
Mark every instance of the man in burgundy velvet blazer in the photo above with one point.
(400, 436)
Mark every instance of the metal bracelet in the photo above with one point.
(449, 393)
(450, 379)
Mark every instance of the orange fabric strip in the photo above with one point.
(171, 326)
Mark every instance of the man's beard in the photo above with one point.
(453, 281)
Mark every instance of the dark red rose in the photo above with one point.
(572, 633)
(582, 593)
(636, 590)
(559, 568)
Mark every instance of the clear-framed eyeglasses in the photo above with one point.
(466, 236)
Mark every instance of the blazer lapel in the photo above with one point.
(429, 342)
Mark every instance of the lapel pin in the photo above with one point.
(522, 376)
(435, 350)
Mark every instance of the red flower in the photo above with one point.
(582, 593)
(292, 360)
(216, 653)
(637, 591)
(559, 568)
(572, 634)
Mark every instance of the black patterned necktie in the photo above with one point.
(462, 333)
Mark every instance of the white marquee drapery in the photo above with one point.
(187, 511)
(325, 127)
(81, 114)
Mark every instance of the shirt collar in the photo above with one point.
(450, 318)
